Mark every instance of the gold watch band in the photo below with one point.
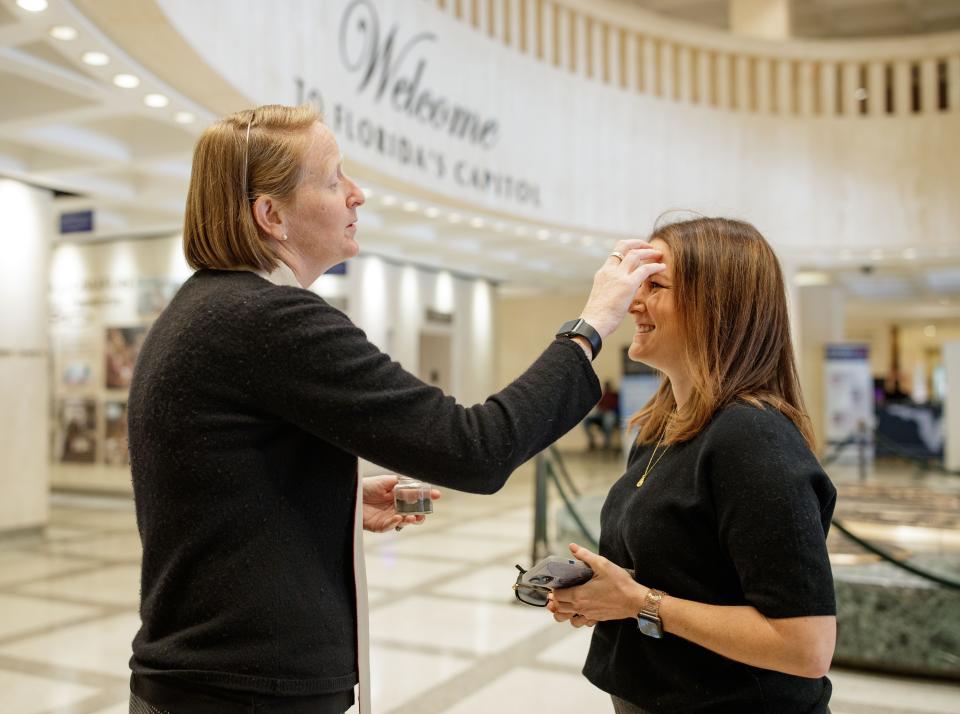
(651, 603)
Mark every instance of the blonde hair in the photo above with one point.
(731, 308)
(251, 153)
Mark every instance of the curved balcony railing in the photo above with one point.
(637, 51)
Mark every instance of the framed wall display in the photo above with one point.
(77, 431)
(76, 371)
(121, 346)
(154, 294)
(115, 450)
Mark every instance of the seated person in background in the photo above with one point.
(606, 415)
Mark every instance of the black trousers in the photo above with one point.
(622, 707)
(155, 694)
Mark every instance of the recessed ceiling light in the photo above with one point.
(520, 231)
(32, 5)
(431, 212)
(543, 234)
(477, 222)
(410, 206)
(156, 101)
(95, 59)
(189, 118)
(127, 81)
(63, 32)
(565, 237)
(389, 200)
(454, 218)
(909, 254)
(807, 278)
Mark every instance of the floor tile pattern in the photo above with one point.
(447, 635)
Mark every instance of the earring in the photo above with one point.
(284, 237)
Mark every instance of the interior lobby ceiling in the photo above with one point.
(822, 19)
(70, 128)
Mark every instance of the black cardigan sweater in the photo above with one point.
(738, 515)
(249, 406)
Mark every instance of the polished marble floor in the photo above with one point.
(447, 635)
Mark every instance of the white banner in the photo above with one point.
(418, 96)
(849, 401)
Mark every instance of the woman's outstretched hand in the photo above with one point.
(379, 511)
(617, 281)
(612, 594)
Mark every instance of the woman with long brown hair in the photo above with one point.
(712, 589)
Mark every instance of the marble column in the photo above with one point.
(951, 360)
(24, 357)
(818, 321)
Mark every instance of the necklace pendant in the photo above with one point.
(642, 479)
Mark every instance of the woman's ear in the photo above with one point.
(268, 217)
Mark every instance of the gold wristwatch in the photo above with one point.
(648, 619)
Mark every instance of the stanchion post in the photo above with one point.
(862, 450)
(539, 546)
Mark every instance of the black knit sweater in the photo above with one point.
(249, 406)
(738, 515)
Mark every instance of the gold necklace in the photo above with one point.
(651, 464)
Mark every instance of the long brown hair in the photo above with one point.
(248, 154)
(731, 308)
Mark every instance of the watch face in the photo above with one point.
(649, 627)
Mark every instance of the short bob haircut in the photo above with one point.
(251, 153)
(731, 308)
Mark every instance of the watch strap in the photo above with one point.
(651, 603)
(648, 619)
(582, 328)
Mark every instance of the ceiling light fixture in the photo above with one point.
(431, 212)
(477, 222)
(909, 254)
(95, 59)
(32, 5)
(156, 101)
(189, 118)
(389, 200)
(809, 278)
(520, 231)
(454, 218)
(543, 234)
(126, 81)
(410, 206)
(63, 32)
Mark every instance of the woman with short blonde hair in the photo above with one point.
(251, 402)
(248, 154)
